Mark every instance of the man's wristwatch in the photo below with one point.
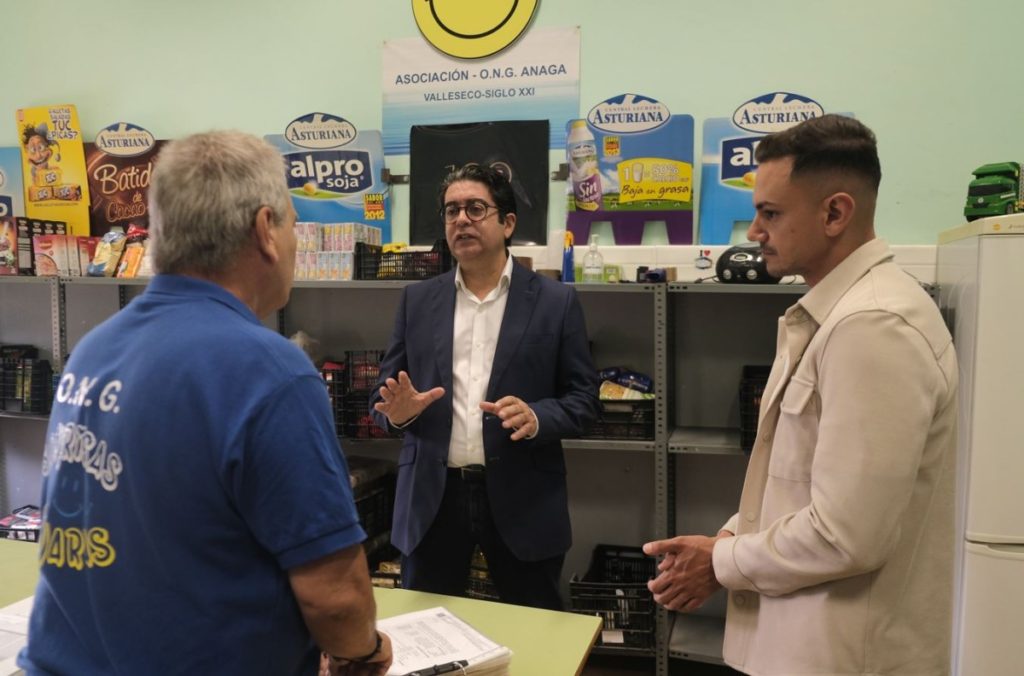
(364, 658)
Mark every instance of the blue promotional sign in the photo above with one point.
(728, 169)
(334, 172)
(12, 192)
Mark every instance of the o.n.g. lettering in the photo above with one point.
(70, 444)
(75, 392)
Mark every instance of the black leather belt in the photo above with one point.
(468, 472)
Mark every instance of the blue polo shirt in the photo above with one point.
(190, 461)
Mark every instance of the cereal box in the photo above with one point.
(27, 229)
(86, 250)
(8, 246)
(51, 255)
(53, 166)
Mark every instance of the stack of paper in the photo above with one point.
(434, 641)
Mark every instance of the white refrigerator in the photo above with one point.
(980, 270)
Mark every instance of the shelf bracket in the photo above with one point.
(393, 179)
(561, 174)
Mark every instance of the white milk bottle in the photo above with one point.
(581, 151)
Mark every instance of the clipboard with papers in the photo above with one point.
(434, 641)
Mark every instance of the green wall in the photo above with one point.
(939, 81)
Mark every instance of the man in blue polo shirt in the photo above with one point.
(197, 510)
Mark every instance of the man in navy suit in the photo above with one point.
(488, 369)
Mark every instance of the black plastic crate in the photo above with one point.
(26, 385)
(19, 352)
(373, 263)
(336, 380)
(615, 589)
(363, 368)
(358, 423)
(479, 584)
(373, 488)
(387, 571)
(375, 506)
(752, 385)
(624, 419)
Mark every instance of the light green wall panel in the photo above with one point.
(939, 81)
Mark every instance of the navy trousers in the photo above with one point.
(441, 562)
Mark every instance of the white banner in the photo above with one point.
(537, 78)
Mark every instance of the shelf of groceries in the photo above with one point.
(692, 339)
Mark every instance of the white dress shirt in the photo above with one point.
(475, 338)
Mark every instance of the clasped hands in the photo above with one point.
(686, 578)
(402, 402)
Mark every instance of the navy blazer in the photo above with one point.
(542, 357)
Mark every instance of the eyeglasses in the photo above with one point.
(476, 210)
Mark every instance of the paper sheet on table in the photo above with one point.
(426, 638)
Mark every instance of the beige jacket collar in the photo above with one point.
(819, 301)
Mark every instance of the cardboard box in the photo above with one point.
(8, 246)
(50, 254)
(86, 250)
(27, 229)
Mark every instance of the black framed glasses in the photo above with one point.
(476, 210)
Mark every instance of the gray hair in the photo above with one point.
(204, 194)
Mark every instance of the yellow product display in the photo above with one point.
(53, 166)
(655, 178)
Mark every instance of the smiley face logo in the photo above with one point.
(472, 29)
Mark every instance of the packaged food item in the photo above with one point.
(8, 247)
(51, 255)
(27, 229)
(135, 249)
(614, 391)
(86, 251)
(627, 378)
(108, 254)
(635, 381)
(131, 259)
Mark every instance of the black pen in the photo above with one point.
(457, 665)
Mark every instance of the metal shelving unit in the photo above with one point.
(24, 416)
(610, 445)
(31, 314)
(705, 440)
(716, 329)
(685, 335)
(743, 289)
(697, 638)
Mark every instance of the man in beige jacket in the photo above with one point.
(840, 559)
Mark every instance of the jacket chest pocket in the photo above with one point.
(796, 434)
